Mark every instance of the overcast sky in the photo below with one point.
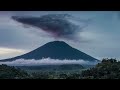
(101, 37)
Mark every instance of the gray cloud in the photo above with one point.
(13, 35)
(59, 25)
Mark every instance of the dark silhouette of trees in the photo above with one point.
(107, 69)
(10, 72)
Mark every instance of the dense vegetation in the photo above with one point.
(107, 69)
(52, 67)
(10, 72)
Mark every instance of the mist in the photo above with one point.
(46, 61)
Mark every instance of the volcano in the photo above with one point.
(55, 50)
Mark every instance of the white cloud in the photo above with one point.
(6, 52)
(9, 50)
(45, 61)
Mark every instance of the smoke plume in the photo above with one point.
(58, 25)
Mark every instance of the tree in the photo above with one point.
(107, 69)
(10, 72)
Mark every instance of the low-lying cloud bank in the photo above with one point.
(46, 61)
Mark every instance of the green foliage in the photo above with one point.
(10, 72)
(107, 69)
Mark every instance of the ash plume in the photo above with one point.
(58, 25)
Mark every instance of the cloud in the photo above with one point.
(58, 25)
(9, 50)
(45, 61)
(13, 35)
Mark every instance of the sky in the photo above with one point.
(100, 38)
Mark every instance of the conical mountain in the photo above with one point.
(55, 50)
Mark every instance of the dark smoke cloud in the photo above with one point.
(58, 25)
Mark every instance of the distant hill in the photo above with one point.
(55, 50)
